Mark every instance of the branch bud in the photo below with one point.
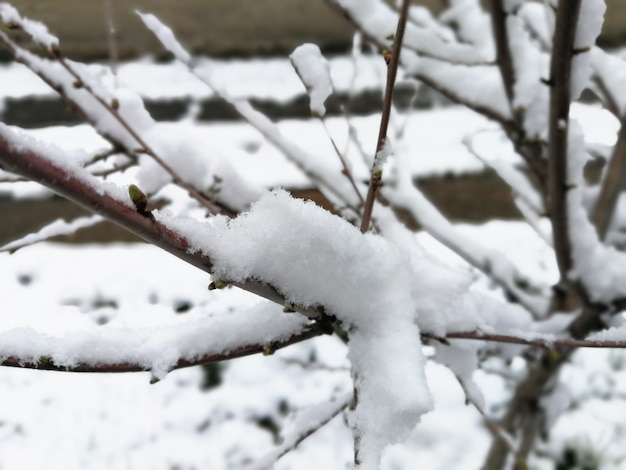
(140, 200)
(218, 284)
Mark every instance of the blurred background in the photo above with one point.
(223, 27)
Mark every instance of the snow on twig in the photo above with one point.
(314, 71)
(307, 421)
(377, 19)
(512, 176)
(329, 180)
(120, 117)
(37, 31)
(494, 264)
(97, 348)
(53, 229)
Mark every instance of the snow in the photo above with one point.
(472, 24)
(165, 35)
(611, 69)
(304, 421)
(20, 142)
(271, 78)
(600, 267)
(530, 64)
(58, 227)
(381, 156)
(378, 19)
(313, 70)
(590, 20)
(158, 347)
(482, 83)
(370, 279)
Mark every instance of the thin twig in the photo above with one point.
(613, 182)
(346, 169)
(312, 425)
(492, 425)
(548, 343)
(392, 70)
(56, 228)
(114, 169)
(23, 56)
(314, 365)
(111, 35)
(103, 155)
(193, 192)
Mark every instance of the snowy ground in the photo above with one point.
(74, 421)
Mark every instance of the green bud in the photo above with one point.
(56, 50)
(45, 360)
(218, 284)
(140, 200)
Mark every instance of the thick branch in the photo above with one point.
(560, 97)
(503, 53)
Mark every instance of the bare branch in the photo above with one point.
(346, 168)
(546, 342)
(503, 53)
(392, 70)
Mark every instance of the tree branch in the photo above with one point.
(560, 97)
(503, 53)
(28, 163)
(524, 405)
(555, 348)
(47, 363)
(392, 70)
